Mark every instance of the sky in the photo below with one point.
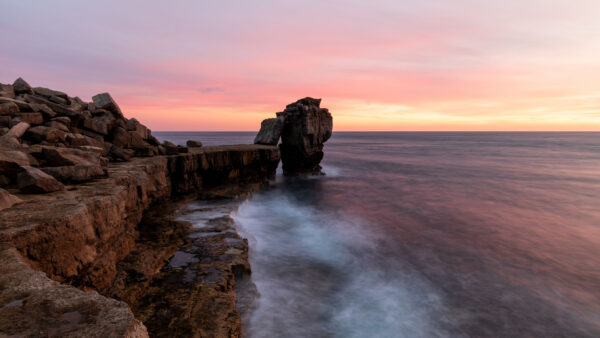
(461, 65)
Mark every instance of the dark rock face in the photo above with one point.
(307, 126)
(34, 181)
(22, 87)
(270, 131)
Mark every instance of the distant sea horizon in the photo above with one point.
(428, 234)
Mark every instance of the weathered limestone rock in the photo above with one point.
(11, 162)
(18, 130)
(68, 156)
(43, 133)
(22, 87)
(31, 118)
(7, 200)
(49, 93)
(270, 131)
(193, 144)
(32, 305)
(105, 101)
(9, 108)
(306, 128)
(34, 181)
(134, 126)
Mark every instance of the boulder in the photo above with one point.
(31, 118)
(3, 130)
(306, 127)
(193, 144)
(120, 154)
(96, 125)
(105, 101)
(72, 165)
(22, 87)
(8, 108)
(59, 100)
(120, 137)
(56, 157)
(49, 93)
(42, 108)
(18, 130)
(11, 162)
(42, 133)
(270, 131)
(57, 125)
(22, 105)
(7, 200)
(134, 126)
(75, 173)
(7, 91)
(34, 181)
(76, 140)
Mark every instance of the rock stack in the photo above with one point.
(48, 138)
(303, 127)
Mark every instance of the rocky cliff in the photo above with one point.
(303, 127)
(79, 182)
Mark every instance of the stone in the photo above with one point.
(75, 173)
(182, 150)
(42, 133)
(152, 140)
(34, 181)
(7, 91)
(42, 108)
(134, 126)
(59, 109)
(18, 130)
(22, 105)
(96, 125)
(57, 99)
(7, 200)
(3, 130)
(120, 154)
(22, 87)
(9, 108)
(76, 140)
(120, 137)
(270, 131)
(193, 144)
(105, 101)
(56, 157)
(57, 125)
(31, 118)
(306, 128)
(64, 120)
(11, 162)
(49, 93)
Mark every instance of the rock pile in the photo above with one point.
(48, 137)
(303, 127)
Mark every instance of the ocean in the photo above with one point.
(428, 235)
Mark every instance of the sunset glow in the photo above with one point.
(385, 65)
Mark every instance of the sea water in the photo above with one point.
(429, 235)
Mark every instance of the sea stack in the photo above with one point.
(303, 127)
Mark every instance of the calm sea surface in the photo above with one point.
(429, 235)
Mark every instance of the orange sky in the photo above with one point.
(389, 65)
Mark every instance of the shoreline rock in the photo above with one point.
(303, 127)
(87, 177)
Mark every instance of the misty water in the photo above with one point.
(430, 234)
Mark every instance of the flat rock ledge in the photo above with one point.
(63, 251)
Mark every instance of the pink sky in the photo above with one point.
(380, 65)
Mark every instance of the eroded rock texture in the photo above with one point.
(76, 180)
(304, 127)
